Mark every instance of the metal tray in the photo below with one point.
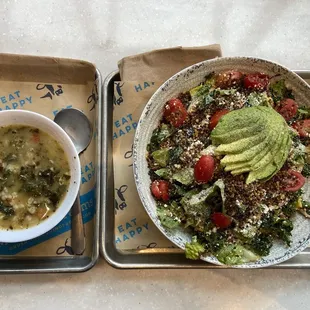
(154, 257)
(37, 67)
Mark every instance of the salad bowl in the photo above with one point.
(182, 82)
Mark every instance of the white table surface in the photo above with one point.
(103, 32)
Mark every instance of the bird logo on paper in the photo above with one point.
(50, 90)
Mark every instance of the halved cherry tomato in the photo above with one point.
(229, 79)
(160, 190)
(216, 117)
(175, 112)
(257, 81)
(204, 169)
(303, 127)
(287, 108)
(294, 181)
(220, 220)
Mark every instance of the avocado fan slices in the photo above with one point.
(258, 144)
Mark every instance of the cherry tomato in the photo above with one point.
(216, 117)
(204, 169)
(175, 112)
(229, 79)
(294, 181)
(257, 81)
(287, 108)
(160, 190)
(220, 220)
(303, 127)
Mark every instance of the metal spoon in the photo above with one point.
(79, 129)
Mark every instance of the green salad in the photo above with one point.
(228, 162)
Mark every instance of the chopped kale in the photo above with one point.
(6, 210)
(214, 241)
(303, 113)
(277, 227)
(177, 191)
(203, 91)
(49, 175)
(261, 244)
(159, 135)
(279, 91)
(289, 209)
(306, 170)
(10, 157)
(174, 155)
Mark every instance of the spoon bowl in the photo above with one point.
(78, 127)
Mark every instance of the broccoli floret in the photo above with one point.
(194, 249)
(261, 244)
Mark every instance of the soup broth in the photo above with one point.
(34, 176)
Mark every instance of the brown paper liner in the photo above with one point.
(141, 76)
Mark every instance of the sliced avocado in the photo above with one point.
(265, 150)
(234, 135)
(258, 144)
(237, 119)
(240, 145)
(250, 163)
(263, 162)
(261, 155)
(262, 173)
(274, 159)
(282, 160)
(281, 153)
(245, 156)
(274, 140)
(236, 166)
(241, 170)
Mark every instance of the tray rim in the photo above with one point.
(93, 258)
(148, 260)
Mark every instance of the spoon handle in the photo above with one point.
(77, 228)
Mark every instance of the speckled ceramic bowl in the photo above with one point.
(152, 113)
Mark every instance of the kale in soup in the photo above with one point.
(34, 176)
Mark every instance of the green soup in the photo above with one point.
(34, 176)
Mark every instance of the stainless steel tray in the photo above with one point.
(37, 68)
(152, 257)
